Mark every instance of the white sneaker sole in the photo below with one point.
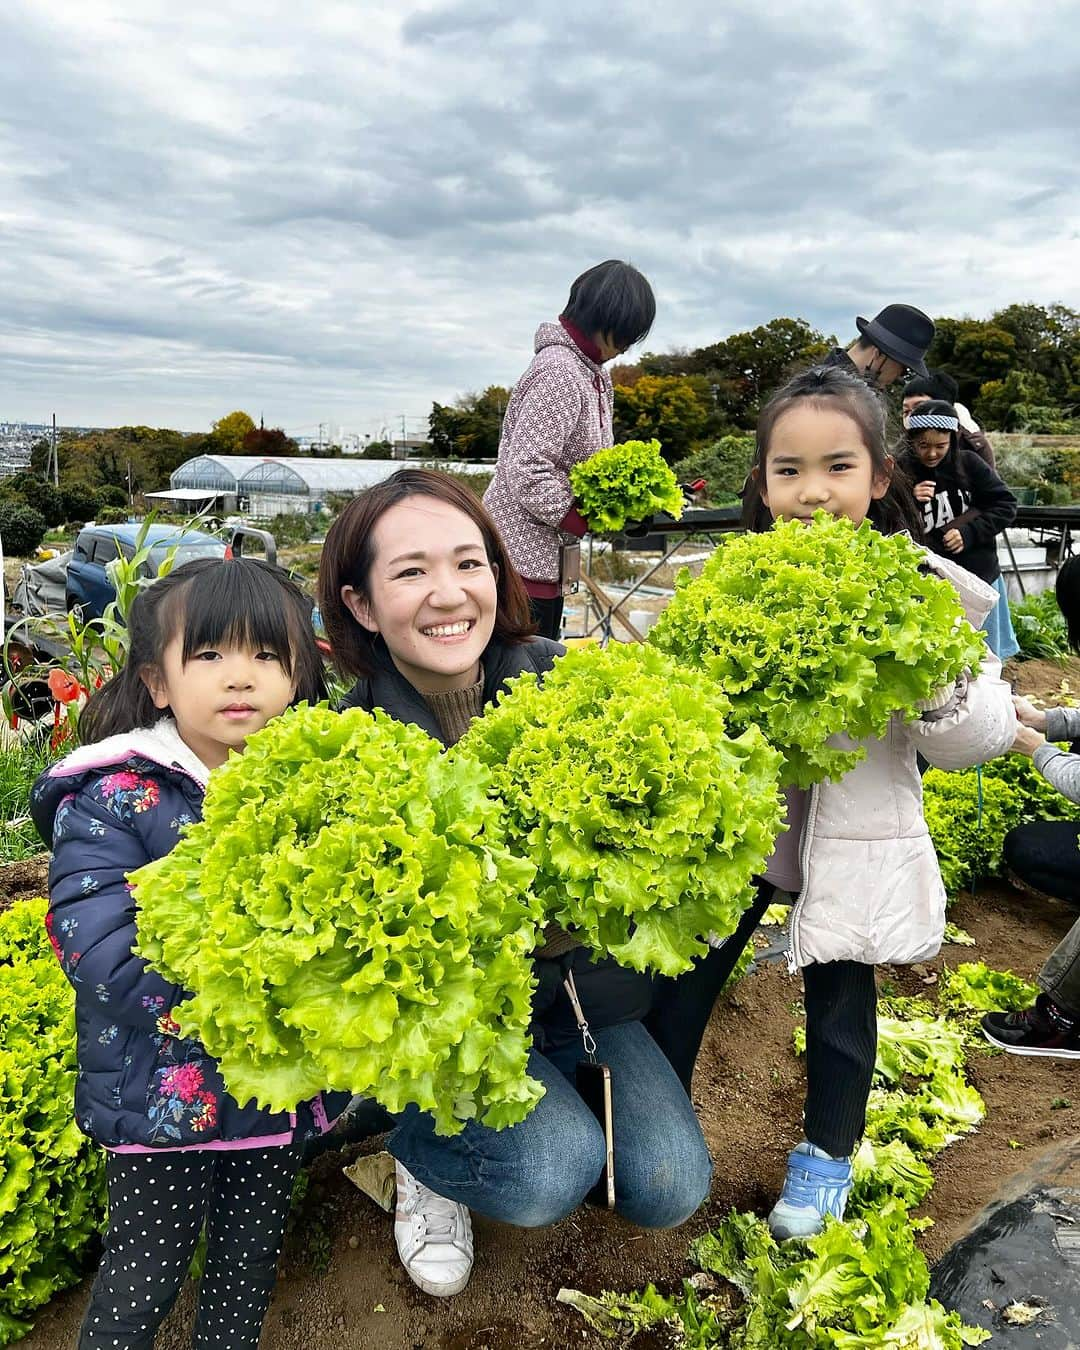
(439, 1290)
(1035, 1051)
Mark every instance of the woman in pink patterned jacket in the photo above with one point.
(559, 414)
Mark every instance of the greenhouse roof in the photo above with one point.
(293, 475)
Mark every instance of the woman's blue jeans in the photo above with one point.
(537, 1172)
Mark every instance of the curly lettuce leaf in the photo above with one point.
(819, 635)
(347, 915)
(625, 482)
(52, 1178)
(974, 987)
(645, 819)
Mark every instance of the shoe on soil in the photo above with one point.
(816, 1184)
(1042, 1029)
(434, 1237)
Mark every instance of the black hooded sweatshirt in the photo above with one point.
(969, 497)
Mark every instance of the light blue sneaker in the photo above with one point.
(816, 1184)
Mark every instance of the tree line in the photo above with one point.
(1018, 370)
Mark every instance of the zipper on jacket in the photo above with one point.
(794, 963)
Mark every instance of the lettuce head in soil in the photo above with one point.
(644, 817)
(347, 916)
(817, 630)
(625, 482)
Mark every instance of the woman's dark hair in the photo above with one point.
(833, 387)
(210, 602)
(612, 299)
(1067, 590)
(934, 384)
(349, 553)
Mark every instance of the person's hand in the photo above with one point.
(924, 492)
(1027, 741)
(1028, 714)
(953, 541)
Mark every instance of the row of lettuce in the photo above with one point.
(861, 1283)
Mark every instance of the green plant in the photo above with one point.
(819, 629)
(723, 464)
(22, 528)
(645, 820)
(347, 916)
(969, 813)
(1040, 626)
(21, 761)
(623, 483)
(52, 1193)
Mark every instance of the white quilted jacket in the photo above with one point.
(872, 889)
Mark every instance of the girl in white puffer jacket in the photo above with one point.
(857, 854)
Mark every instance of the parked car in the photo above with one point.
(87, 586)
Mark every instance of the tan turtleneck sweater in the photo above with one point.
(454, 709)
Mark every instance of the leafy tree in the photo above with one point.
(21, 528)
(269, 441)
(470, 427)
(723, 464)
(378, 450)
(34, 491)
(228, 433)
(82, 501)
(1005, 405)
(669, 408)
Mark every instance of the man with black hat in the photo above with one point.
(891, 344)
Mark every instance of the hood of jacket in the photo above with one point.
(159, 744)
(555, 335)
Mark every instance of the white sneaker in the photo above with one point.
(433, 1236)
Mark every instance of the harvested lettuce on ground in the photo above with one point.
(625, 482)
(347, 915)
(974, 987)
(885, 1171)
(817, 630)
(859, 1283)
(644, 818)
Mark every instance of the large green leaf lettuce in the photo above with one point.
(644, 818)
(625, 482)
(347, 916)
(820, 630)
(52, 1179)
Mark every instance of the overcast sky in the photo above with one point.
(339, 211)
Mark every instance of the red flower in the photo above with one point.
(52, 939)
(64, 688)
(184, 1081)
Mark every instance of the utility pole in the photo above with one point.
(53, 456)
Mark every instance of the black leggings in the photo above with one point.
(841, 1031)
(158, 1203)
(548, 616)
(1046, 854)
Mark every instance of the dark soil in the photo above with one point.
(23, 880)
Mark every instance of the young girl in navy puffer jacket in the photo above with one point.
(217, 649)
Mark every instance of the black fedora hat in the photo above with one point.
(901, 332)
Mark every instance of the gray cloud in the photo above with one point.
(348, 211)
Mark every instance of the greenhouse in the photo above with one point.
(259, 486)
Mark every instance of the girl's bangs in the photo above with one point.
(233, 605)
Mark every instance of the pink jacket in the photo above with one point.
(559, 414)
(872, 888)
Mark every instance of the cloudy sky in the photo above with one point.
(341, 210)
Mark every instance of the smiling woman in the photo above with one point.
(421, 603)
